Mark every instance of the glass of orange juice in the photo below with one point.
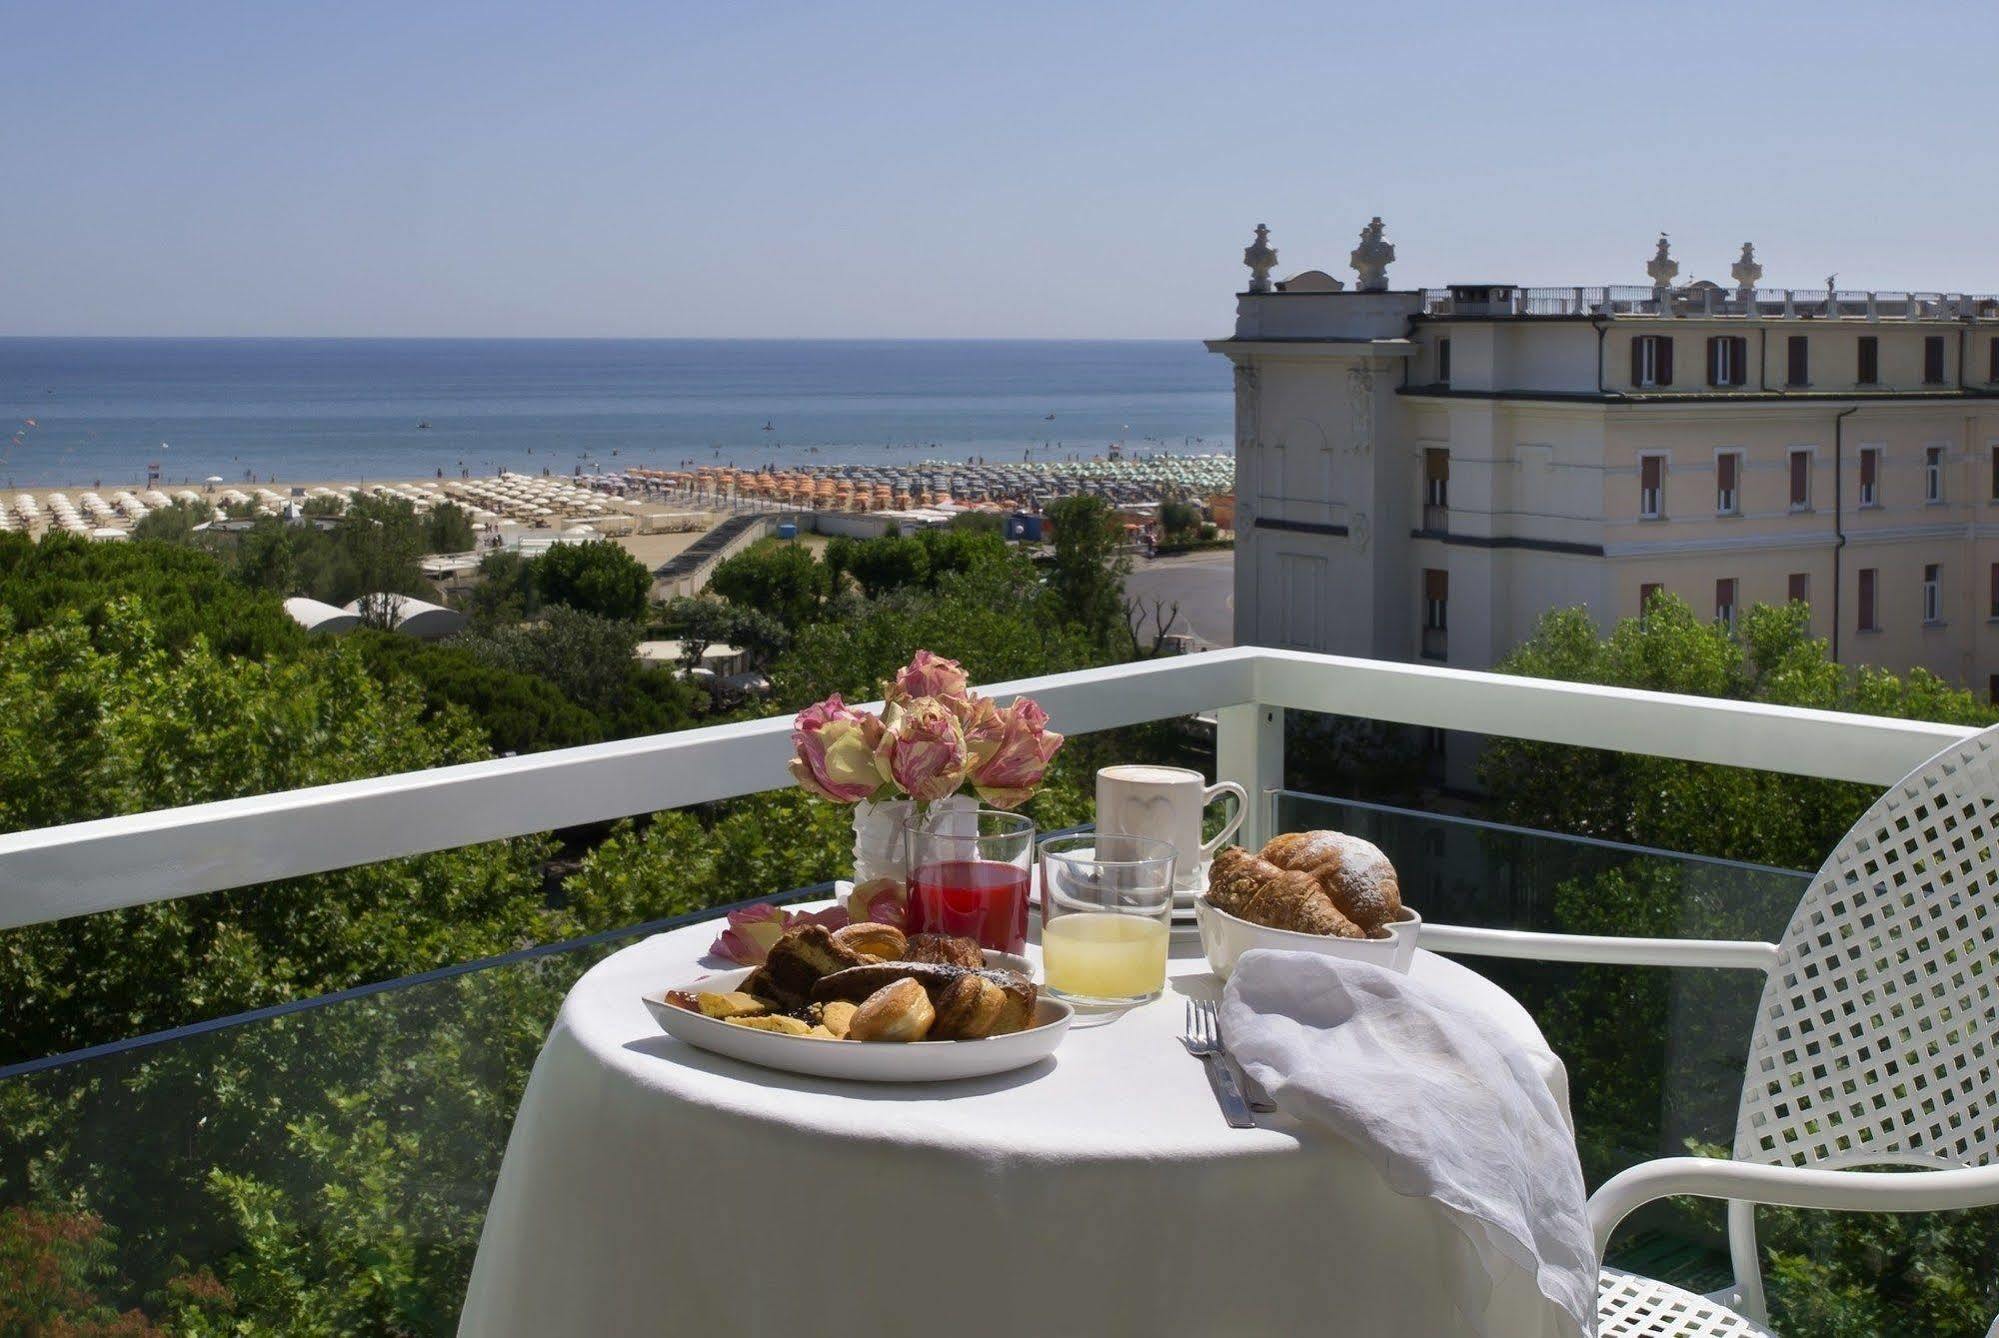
(1106, 911)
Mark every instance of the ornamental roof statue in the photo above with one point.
(1747, 271)
(1371, 258)
(1662, 266)
(1261, 257)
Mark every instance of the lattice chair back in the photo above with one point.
(1875, 1039)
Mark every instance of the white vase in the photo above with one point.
(880, 847)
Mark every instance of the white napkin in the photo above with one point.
(1443, 1102)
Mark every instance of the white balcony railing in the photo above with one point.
(1707, 301)
(57, 872)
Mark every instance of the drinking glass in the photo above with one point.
(968, 875)
(1106, 913)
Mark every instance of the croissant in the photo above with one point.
(1235, 877)
(1355, 874)
(1297, 902)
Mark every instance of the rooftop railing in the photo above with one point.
(1710, 301)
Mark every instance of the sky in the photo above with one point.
(1021, 169)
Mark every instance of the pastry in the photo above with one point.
(795, 964)
(945, 950)
(837, 1017)
(969, 1008)
(896, 1012)
(734, 1003)
(883, 942)
(859, 982)
(789, 1026)
(1355, 874)
(1296, 901)
(1235, 877)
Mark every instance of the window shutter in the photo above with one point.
(1867, 459)
(1648, 472)
(1638, 361)
(1992, 373)
(1715, 375)
(1798, 589)
(1651, 588)
(1664, 361)
(1995, 589)
(1724, 466)
(1801, 465)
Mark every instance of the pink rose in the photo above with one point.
(928, 675)
(753, 930)
(882, 901)
(983, 727)
(922, 750)
(836, 746)
(1013, 770)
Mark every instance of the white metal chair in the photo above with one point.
(1876, 1042)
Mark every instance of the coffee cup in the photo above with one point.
(1166, 804)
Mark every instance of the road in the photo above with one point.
(1204, 585)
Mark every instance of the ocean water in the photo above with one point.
(89, 411)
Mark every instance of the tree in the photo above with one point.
(891, 562)
(1138, 612)
(516, 712)
(448, 529)
(173, 524)
(590, 661)
(1086, 577)
(1179, 519)
(599, 577)
(505, 593)
(781, 578)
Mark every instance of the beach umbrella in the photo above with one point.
(213, 478)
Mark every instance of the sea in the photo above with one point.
(103, 412)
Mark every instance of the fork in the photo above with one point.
(1203, 1041)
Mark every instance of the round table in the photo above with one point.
(650, 1187)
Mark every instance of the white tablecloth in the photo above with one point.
(653, 1188)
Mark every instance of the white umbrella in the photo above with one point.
(213, 478)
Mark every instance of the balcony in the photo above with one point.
(416, 1079)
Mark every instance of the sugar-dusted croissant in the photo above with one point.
(1355, 874)
(1297, 902)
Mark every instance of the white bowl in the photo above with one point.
(1225, 937)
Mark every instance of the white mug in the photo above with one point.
(1166, 804)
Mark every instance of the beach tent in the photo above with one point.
(418, 618)
(315, 616)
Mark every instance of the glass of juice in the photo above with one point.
(968, 875)
(1106, 912)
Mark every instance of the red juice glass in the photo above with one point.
(968, 875)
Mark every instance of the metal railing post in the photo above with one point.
(1249, 750)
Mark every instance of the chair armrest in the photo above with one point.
(1788, 1187)
(1742, 954)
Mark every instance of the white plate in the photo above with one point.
(863, 1061)
(1225, 937)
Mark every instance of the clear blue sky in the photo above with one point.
(937, 169)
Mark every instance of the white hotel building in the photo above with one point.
(1420, 474)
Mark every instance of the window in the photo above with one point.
(1728, 483)
(1652, 360)
(1443, 362)
(1436, 611)
(1801, 479)
(1651, 487)
(1868, 622)
(1869, 370)
(1649, 589)
(1798, 590)
(1933, 360)
(1933, 474)
(1992, 593)
(1436, 487)
(1992, 360)
(1724, 602)
(1995, 473)
(1798, 364)
(1870, 476)
(1933, 593)
(1727, 360)
(1992, 683)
